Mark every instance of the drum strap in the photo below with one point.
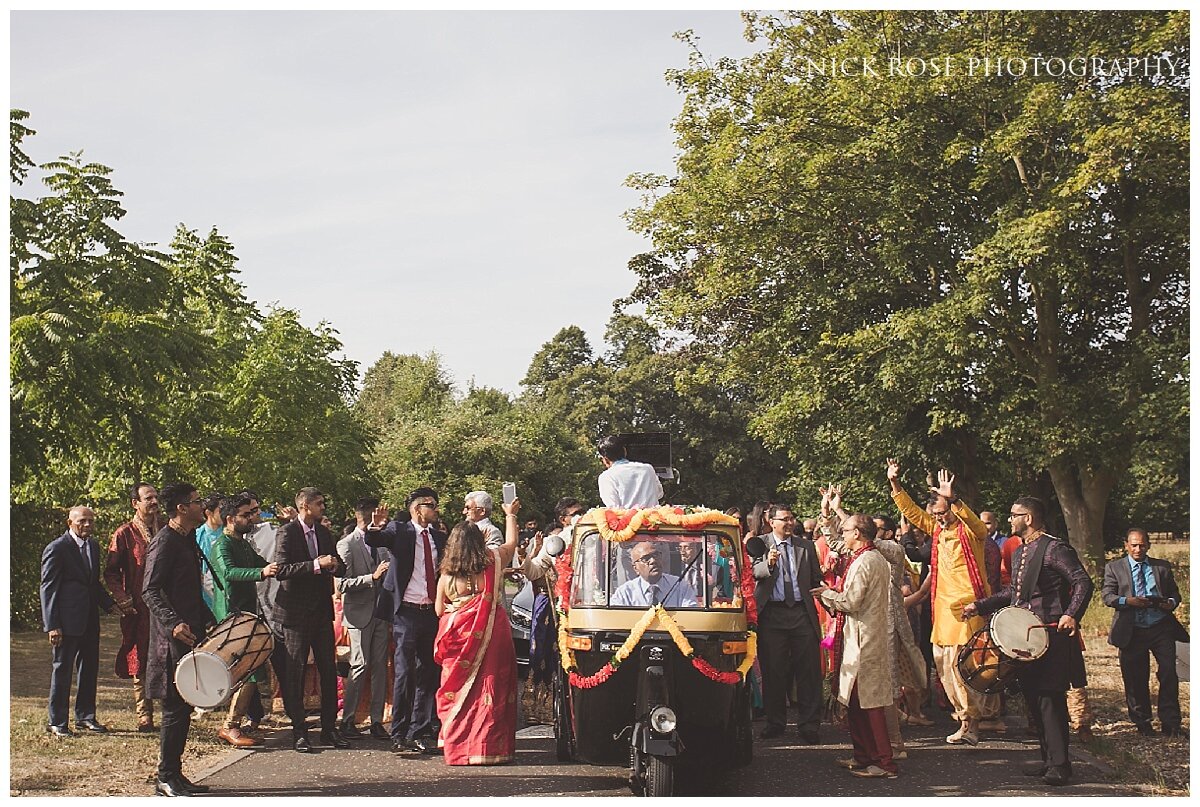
(1032, 568)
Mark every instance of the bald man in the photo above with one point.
(71, 601)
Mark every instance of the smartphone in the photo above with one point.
(510, 492)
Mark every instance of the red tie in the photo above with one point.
(430, 583)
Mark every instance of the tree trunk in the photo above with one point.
(1083, 496)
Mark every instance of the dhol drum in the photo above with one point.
(236, 647)
(1012, 637)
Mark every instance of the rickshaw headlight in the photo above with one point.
(662, 719)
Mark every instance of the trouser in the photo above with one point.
(869, 734)
(241, 704)
(176, 719)
(79, 655)
(790, 648)
(891, 716)
(963, 699)
(368, 649)
(989, 707)
(416, 681)
(143, 706)
(1135, 673)
(299, 640)
(1048, 711)
(1078, 709)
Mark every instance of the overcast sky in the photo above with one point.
(447, 181)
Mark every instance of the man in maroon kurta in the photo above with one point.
(123, 574)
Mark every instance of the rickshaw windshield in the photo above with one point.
(681, 571)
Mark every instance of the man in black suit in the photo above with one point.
(178, 620)
(416, 549)
(1143, 593)
(1048, 580)
(71, 601)
(789, 634)
(307, 559)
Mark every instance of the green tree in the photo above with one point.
(952, 268)
(399, 387)
(557, 358)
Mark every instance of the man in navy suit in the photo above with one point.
(71, 601)
(411, 580)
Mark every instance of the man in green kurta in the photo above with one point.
(238, 568)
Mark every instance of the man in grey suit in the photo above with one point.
(369, 635)
(1143, 593)
(789, 635)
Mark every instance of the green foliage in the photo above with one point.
(983, 271)
(130, 364)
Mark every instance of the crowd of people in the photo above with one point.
(882, 606)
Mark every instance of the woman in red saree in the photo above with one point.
(477, 701)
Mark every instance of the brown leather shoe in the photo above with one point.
(235, 738)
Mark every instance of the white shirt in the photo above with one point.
(637, 592)
(416, 592)
(626, 484)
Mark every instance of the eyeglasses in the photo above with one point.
(195, 501)
(1018, 515)
(432, 505)
(784, 518)
(647, 556)
(848, 530)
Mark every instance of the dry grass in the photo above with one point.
(122, 762)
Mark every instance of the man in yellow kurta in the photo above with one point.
(959, 577)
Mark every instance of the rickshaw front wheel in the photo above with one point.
(660, 776)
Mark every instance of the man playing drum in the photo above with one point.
(1048, 580)
(957, 576)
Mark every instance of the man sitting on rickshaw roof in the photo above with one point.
(652, 586)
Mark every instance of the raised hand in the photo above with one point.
(893, 469)
(835, 497)
(825, 501)
(379, 517)
(945, 486)
(512, 509)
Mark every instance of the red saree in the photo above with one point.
(477, 701)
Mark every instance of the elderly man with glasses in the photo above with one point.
(789, 635)
(652, 586)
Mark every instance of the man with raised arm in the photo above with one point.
(958, 575)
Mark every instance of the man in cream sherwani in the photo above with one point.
(865, 684)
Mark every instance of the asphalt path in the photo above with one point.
(782, 767)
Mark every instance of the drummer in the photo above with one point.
(237, 567)
(178, 619)
(1048, 580)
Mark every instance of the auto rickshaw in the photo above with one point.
(656, 625)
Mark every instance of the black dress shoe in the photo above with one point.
(60, 731)
(1056, 776)
(188, 784)
(810, 738)
(400, 745)
(1034, 769)
(170, 787)
(379, 732)
(302, 745)
(1174, 731)
(1146, 730)
(349, 730)
(91, 725)
(771, 731)
(333, 737)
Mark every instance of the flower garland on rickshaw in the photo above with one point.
(621, 526)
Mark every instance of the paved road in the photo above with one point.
(781, 767)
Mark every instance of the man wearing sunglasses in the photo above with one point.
(178, 620)
(411, 580)
(652, 586)
(1049, 580)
